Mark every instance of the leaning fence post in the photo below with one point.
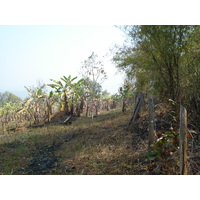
(183, 141)
(151, 136)
(137, 107)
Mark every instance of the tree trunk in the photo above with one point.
(78, 111)
(72, 106)
(87, 110)
(92, 115)
(108, 106)
(183, 141)
(81, 105)
(3, 127)
(124, 106)
(49, 111)
(66, 107)
(97, 107)
(151, 136)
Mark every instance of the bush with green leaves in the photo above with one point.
(166, 144)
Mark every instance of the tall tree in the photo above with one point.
(93, 72)
(156, 53)
(164, 61)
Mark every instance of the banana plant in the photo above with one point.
(79, 96)
(68, 91)
(8, 114)
(124, 93)
(35, 105)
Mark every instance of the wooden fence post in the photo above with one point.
(183, 141)
(151, 136)
(138, 102)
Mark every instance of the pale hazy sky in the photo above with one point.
(31, 53)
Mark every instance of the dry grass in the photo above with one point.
(99, 146)
(89, 146)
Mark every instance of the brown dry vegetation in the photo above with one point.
(103, 145)
(89, 146)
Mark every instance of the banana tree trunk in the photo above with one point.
(66, 104)
(87, 110)
(72, 106)
(81, 105)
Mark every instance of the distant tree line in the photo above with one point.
(6, 97)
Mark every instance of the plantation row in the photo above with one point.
(73, 98)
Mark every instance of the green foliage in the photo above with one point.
(9, 97)
(163, 146)
(68, 91)
(156, 57)
(35, 105)
(163, 61)
(105, 94)
(93, 70)
(66, 85)
(93, 88)
(9, 108)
